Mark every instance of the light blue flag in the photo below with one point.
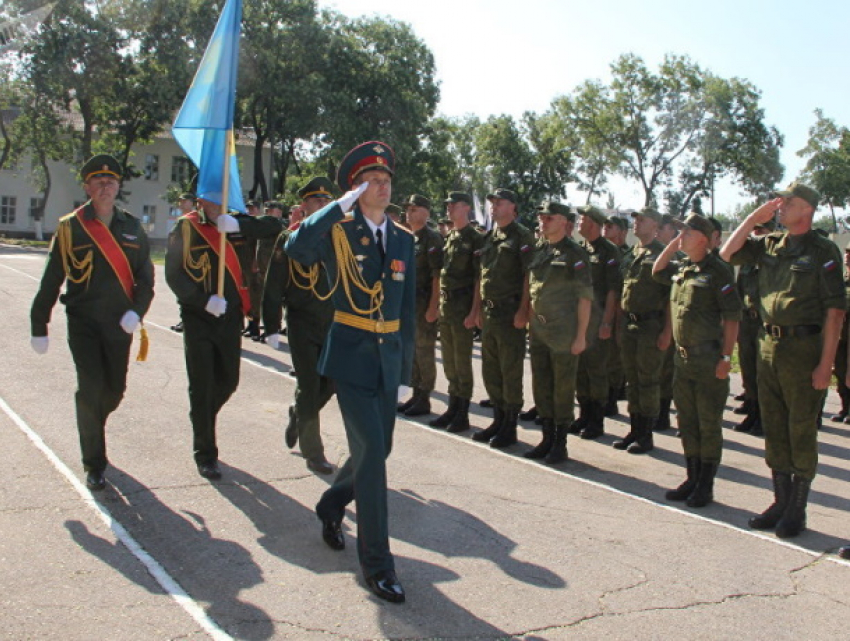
(206, 116)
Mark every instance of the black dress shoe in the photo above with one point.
(290, 436)
(95, 481)
(386, 586)
(319, 465)
(209, 470)
(332, 533)
(178, 327)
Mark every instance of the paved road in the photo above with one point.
(488, 545)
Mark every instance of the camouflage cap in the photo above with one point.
(252, 203)
(100, 165)
(799, 190)
(274, 204)
(416, 200)
(458, 197)
(718, 226)
(619, 221)
(552, 208)
(667, 219)
(505, 194)
(699, 223)
(318, 187)
(594, 213)
(393, 210)
(648, 212)
(186, 196)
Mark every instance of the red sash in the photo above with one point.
(210, 233)
(111, 250)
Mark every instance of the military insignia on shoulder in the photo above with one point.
(524, 248)
(579, 265)
(830, 265)
(612, 261)
(728, 288)
(477, 252)
(433, 249)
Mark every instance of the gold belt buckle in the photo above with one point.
(379, 326)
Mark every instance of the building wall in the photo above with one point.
(144, 197)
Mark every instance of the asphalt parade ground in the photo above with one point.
(487, 544)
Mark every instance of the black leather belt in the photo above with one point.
(638, 318)
(797, 331)
(700, 348)
(753, 313)
(448, 294)
(489, 303)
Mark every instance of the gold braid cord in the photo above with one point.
(309, 278)
(69, 259)
(201, 266)
(349, 275)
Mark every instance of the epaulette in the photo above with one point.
(67, 217)
(401, 228)
(347, 218)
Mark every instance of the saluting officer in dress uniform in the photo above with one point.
(458, 310)
(705, 308)
(103, 254)
(429, 262)
(504, 260)
(647, 332)
(212, 325)
(305, 293)
(592, 378)
(561, 297)
(801, 302)
(369, 349)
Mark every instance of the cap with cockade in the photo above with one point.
(100, 165)
(318, 187)
(365, 156)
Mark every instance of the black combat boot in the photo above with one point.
(682, 492)
(643, 436)
(793, 520)
(662, 423)
(446, 417)
(460, 421)
(628, 439)
(253, 329)
(507, 432)
(530, 415)
(402, 407)
(744, 408)
(485, 435)
(421, 406)
(757, 429)
(844, 552)
(611, 408)
(595, 426)
(781, 494)
(558, 453)
(751, 419)
(581, 422)
(845, 406)
(703, 493)
(548, 427)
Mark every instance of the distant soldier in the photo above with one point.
(394, 212)
(561, 297)
(667, 231)
(505, 259)
(592, 380)
(615, 230)
(802, 303)
(647, 333)
(429, 262)
(305, 294)
(265, 247)
(246, 252)
(841, 353)
(705, 309)
(458, 310)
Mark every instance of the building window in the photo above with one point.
(151, 167)
(36, 208)
(8, 204)
(181, 170)
(149, 214)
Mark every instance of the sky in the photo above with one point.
(508, 57)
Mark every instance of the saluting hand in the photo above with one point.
(766, 212)
(347, 200)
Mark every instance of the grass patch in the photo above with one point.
(24, 242)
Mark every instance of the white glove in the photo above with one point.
(39, 344)
(273, 340)
(130, 321)
(216, 306)
(348, 199)
(227, 224)
(403, 392)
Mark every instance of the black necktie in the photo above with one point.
(379, 236)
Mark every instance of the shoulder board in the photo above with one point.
(67, 217)
(348, 218)
(128, 214)
(400, 228)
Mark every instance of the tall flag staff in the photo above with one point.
(204, 125)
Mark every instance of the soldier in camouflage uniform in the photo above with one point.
(458, 310)
(429, 262)
(705, 309)
(561, 298)
(505, 259)
(616, 230)
(802, 303)
(667, 231)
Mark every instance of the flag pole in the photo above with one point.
(225, 199)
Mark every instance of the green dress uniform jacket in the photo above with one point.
(799, 279)
(457, 283)
(368, 353)
(504, 261)
(213, 345)
(94, 302)
(559, 276)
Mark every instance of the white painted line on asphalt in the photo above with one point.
(18, 271)
(153, 567)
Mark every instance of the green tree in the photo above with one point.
(828, 163)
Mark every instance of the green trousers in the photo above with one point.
(642, 361)
(700, 400)
(456, 342)
(101, 355)
(312, 390)
(553, 381)
(788, 402)
(748, 349)
(424, 375)
(592, 377)
(502, 356)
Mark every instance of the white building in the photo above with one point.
(163, 164)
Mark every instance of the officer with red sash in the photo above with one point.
(212, 325)
(101, 252)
